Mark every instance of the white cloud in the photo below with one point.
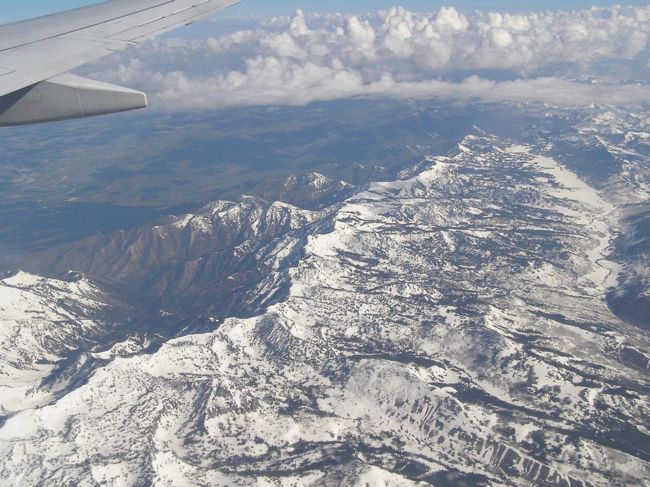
(396, 53)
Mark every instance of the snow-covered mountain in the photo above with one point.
(447, 328)
(625, 138)
(312, 190)
(216, 261)
(45, 325)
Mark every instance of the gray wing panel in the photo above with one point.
(39, 49)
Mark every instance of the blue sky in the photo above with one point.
(20, 9)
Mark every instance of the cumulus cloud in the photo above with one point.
(484, 57)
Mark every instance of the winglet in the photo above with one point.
(65, 97)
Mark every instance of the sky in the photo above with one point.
(13, 10)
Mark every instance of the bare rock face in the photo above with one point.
(448, 328)
(206, 262)
(215, 262)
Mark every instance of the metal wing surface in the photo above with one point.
(34, 53)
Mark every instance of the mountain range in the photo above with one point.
(479, 320)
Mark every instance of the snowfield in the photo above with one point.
(450, 327)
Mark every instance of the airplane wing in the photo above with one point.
(35, 56)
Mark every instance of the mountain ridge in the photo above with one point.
(196, 261)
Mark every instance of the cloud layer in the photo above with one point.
(397, 53)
